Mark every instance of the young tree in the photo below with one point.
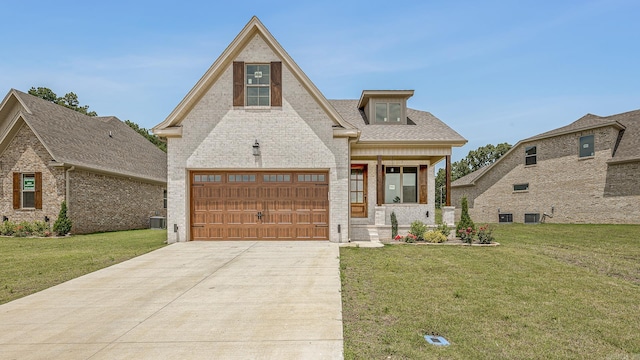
(63, 224)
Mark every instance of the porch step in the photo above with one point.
(373, 234)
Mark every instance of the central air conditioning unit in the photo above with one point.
(157, 222)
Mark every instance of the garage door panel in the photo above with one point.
(226, 205)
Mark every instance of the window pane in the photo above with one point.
(530, 150)
(394, 112)
(287, 178)
(252, 101)
(263, 101)
(530, 160)
(586, 146)
(252, 91)
(409, 188)
(320, 177)
(196, 178)
(28, 199)
(381, 112)
(392, 188)
(354, 197)
(360, 197)
(520, 187)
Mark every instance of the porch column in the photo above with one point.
(379, 182)
(448, 181)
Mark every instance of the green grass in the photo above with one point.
(33, 264)
(548, 292)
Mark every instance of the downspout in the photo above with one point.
(67, 187)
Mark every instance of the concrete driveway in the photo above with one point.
(195, 300)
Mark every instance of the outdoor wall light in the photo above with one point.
(427, 213)
(46, 219)
(4, 218)
(256, 148)
(498, 210)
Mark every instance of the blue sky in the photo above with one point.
(495, 71)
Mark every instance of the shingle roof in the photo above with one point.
(99, 143)
(422, 127)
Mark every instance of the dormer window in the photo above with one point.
(388, 112)
(385, 106)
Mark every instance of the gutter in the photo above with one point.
(68, 187)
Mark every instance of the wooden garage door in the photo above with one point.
(259, 205)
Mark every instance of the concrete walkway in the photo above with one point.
(195, 300)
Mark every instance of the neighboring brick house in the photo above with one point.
(585, 172)
(256, 152)
(111, 177)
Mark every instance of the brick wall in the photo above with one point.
(578, 190)
(298, 135)
(107, 203)
(25, 154)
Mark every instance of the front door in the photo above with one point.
(358, 191)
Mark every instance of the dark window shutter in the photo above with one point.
(16, 190)
(422, 182)
(276, 83)
(238, 83)
(38, 194)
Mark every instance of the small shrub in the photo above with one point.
(24, 229)
(465, 219)
(417, 229)
(398, 238)
(394, 225)
(7, 228)
(467, 235)
(432, 236)
(40, 228)
(485, 235)
(443, 229)
(63, 224)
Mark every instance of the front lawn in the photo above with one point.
(33, 264)
(549, 291)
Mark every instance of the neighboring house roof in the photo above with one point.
(628, 148)
(103, 144)
(422, 126)
(171, 125)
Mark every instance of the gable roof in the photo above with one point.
(171, 125)
(627, 150)
(422, 126)
(103, 144)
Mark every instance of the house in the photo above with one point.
(256, 152)
(585, 172)
(111, 177)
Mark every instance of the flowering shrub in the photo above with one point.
(485, 235)
(467, 235)
(398, 238)
(410, 238)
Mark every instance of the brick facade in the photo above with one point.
(26, 154)
(298, 135)
(97, 202)
(571, 189)
(101, 203)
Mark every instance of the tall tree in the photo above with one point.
(475, 159)
(70, 100)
